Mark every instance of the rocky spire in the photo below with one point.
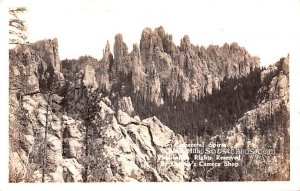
(48, 51)
(185, 44)
(120, 48)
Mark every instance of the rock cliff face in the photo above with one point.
(48, 51)
(188, 70)
(74, 134)
(265, 127)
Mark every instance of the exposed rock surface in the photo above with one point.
(75, 120)
(48, 51)
(158, 65)
(89, 79)
(125, 105)
(125, 148)
(191, 70)
(36, 71)
(266, 127)
(130, 149)
(86, 139)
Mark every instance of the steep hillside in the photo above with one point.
(263, 128)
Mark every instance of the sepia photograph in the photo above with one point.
(150, 91)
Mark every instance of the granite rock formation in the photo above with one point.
(81, 120)
(74, 135)
(158, 65)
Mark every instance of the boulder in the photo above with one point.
(124, 118)
(125, 105)
(72, 170)
(16, 166)
(89, 79)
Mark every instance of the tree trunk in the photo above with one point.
(45, 141)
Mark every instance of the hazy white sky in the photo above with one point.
(268, 29)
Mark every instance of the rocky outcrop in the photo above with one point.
(122, 62)
(266, 127)
(89, 79)
(138, 72)
(157, 65)
(131, 151)
(102, 74)
(189, 70)
(125, 105)
(75, 135)
(125, 148)
(48, 51)
(78, 123)
(31, 73)
(120, 48)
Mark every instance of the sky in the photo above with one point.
(267, 29)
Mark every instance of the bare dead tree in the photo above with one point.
(17, 26)
(51, 87)
(45, 157)
(87, 116)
